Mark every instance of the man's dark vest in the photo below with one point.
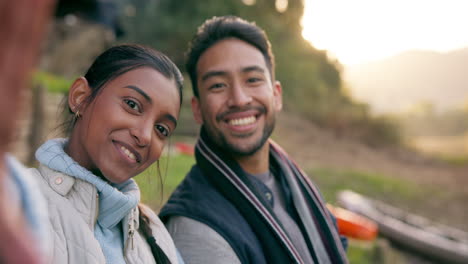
(196, 198)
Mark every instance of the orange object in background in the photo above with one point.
(184, 148)
(353, 225)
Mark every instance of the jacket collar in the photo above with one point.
(59, 182)
(115, 200)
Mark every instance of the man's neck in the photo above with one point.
(256, 163)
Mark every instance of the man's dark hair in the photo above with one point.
(220, 28)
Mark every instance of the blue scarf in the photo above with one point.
(115, 201)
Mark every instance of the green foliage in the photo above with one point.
(312, 84)
(169, 26)
(53, 83)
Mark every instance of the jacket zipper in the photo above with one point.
(131, 236)
(96, 215)
(131, 233)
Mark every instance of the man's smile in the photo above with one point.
(242, 121)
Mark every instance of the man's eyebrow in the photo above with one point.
(212, 74)
(140, 91)
(223, 73)
(253, 68)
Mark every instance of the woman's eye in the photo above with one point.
(132, 104)
(163, 130)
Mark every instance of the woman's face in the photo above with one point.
(125, 128)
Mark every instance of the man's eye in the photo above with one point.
(132, 104)
(163, 130)
(217, 86)
(253, 80)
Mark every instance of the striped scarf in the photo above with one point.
(229, 178)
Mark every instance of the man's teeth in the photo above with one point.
(242, 121)
(129, 154)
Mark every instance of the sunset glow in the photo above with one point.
(364, 30)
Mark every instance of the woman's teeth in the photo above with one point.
(242, 121)
(129, 154)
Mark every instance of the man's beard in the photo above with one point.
(222, 142)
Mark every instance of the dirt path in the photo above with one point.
(314, 147)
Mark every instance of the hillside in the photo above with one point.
(396, 83)
(437, 190)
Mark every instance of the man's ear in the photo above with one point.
(278, 95)
(196, 110)
(78, 93)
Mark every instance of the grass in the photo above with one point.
(454, 160)
(361, 252)
(380, 186)
(173, 169)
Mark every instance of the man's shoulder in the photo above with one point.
(194, 187)
(194, 194)
(196, 198)
(199, 243)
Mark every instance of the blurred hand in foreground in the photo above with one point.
(22, 27)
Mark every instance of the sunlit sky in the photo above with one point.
(357, 31)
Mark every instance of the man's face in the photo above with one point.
(238, 101)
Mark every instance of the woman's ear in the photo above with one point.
(78, 93)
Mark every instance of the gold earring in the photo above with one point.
(77, 115)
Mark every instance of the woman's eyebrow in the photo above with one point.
(171, 118)
(140, 91)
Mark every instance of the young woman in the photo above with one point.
(124, 110)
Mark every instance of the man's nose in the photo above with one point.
(239, 96)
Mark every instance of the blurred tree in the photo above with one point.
(80, 30)
(308, 77)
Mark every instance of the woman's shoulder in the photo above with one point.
(158, 231)
(65, 194)
(51, 180)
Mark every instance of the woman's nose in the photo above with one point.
(142, 134)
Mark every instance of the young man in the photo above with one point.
(245, 200)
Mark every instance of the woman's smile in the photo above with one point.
(127, 152)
